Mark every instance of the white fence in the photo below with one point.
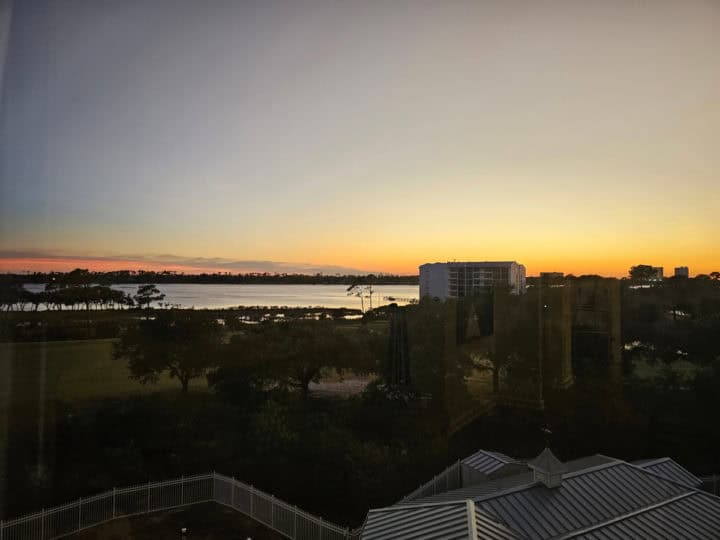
(450, 478)
(70, 518)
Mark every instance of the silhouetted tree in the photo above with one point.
(12, 295)
(146, 294)
(302, 349)
(642, 272)
(437, 364)
(244, 376)
(294, 353)
(397, 364)
(182, 343)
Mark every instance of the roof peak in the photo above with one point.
(547, 463)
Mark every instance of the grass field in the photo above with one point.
(73, 371)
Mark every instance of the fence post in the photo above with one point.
(272, 511)
(2, 526)
(113, 502)
(321, 529)
(232, 492)
(42, 524)
(214, 477)
(182, 490)
(79, 513)
(148, 498)
(252, 491)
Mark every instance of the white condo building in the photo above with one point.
(459, 279)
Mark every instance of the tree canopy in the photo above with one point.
(642, 272)
(146, 294)
(181, 343)
(292, 354)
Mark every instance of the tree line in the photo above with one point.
(16, 298)
(257, 278)
(189, 344)
(646, 272)
(73, 290)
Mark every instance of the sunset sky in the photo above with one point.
(359, 136)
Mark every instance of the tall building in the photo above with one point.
(682, 271)
(657, 273)
(461, 279)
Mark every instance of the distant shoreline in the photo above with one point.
(167, 278)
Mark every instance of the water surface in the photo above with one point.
(216, 296)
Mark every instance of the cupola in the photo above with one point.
(547, 469)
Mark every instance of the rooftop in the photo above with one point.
(597, 497)
(474, 263)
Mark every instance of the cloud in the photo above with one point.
(37, 260)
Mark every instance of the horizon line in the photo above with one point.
(40, 261)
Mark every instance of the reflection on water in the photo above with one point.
(211, 296)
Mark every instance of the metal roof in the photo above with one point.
(485, 488)
(599, 498)
(487, 462)
(585, 498)
(487, 527)
(692, 515)
(446, 520)
(671, 470)
(548, 463)
(587, 462)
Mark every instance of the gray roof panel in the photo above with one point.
(588, 462)
(691, 517)
(599, 498)
(671, 470)
(447, 521)
(413, 522)
(485, 488)
(486, 461)
(583, 499)
(488, 527)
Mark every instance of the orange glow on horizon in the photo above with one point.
(608, 268)
(95, 265)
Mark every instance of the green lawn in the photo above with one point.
(75, 371)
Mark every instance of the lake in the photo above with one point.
(188, 295)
